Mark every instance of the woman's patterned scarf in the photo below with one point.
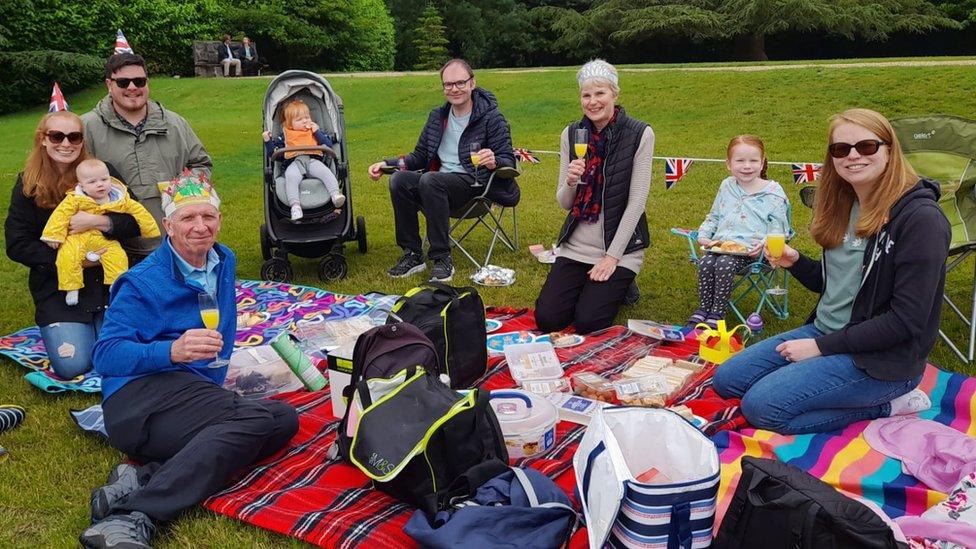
(589, 196)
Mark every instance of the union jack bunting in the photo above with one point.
(57, 100)
(806, 173)
(525, 155)
(674, 170)
(121, 44)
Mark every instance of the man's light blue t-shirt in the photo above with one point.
(448, 149)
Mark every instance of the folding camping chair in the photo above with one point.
(759, 277)
(943, 148)
(483, 211)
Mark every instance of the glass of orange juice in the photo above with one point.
(581, 142)
(210, 314)
(776, 239)
(474, 149)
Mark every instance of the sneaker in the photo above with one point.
(122, 481)
(131, 531)
(633, 294)
(338, 199)
(712, 320)
(912, 402)
(71, 297)
(696, 318)
(410, 263)
(10, 416)
(443, 270)
(296, 212)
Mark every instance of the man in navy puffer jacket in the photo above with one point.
(468, 124)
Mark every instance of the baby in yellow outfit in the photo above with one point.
(96, 193)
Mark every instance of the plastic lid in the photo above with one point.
(520, 412)
(532, 361)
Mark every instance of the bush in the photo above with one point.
(28, 76)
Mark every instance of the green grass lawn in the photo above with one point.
(44, 485)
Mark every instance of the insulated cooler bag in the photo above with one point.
(672, 506)
(454, 319)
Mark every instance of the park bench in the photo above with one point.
(205, 63)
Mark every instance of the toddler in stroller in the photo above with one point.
(298, 130)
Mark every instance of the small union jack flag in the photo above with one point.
(806, 173)
(57, 100)
(525, 155)
(674, 170)
(121, 44)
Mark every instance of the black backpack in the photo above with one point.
(381, 352)
(778, 506)
(454, 320)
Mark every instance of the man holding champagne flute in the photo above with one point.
(462, 142)
(162, 356)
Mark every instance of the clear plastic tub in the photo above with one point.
(528, 422)
(532, 361)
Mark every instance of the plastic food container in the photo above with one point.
(528, 422)
(649, 390)
(548, 386)
(258, 372)
(532, 361)
(592, 386)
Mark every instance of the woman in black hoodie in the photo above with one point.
(882, 273)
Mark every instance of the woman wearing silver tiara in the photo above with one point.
(604, 178)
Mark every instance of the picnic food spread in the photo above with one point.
(729, 246)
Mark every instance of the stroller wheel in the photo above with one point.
(361, 233)
(276, 269)
(333, 267)
(265, 243)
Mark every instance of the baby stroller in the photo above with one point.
(324, 229)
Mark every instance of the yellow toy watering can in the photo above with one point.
(716, 345)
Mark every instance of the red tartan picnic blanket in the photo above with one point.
(300, 492)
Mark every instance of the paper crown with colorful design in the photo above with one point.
(598, 68)
(187, 189)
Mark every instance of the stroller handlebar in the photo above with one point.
(278, 153)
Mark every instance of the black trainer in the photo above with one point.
(410, 263)
(633, 294)
(131, 531)
(443, 269)
(122, 481)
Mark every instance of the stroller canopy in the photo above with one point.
(943, 148)
(306, 85)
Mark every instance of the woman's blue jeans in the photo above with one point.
(69, 346)
(819, 394)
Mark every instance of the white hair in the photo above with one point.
(598, 71)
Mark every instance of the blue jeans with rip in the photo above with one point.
(823, 393)
(69, 346)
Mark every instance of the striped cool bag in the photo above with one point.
(673, 509)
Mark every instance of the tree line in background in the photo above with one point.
(68, 40)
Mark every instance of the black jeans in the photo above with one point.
(436, 194)
(570, 297)
(192, 436)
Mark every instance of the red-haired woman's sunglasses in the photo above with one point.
(866, 147)
(58, 137)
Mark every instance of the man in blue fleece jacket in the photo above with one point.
(162, 399)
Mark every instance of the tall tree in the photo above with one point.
(430, 41)
(747, 22)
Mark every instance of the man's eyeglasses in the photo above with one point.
(866, 147)
(458, 84)
(124, 82)
(58, 137)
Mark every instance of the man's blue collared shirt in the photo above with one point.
(205, 277)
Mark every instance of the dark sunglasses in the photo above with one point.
(58, 137)
(124, 82)
(866, 147)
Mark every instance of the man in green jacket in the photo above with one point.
(145, 142)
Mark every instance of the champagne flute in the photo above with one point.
(775, 243)
(210, 314)
(581, 143)
(475, 148)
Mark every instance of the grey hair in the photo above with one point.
(598, 71)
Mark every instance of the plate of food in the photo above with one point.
(492, 325)
(497, 342)
(727, 247)
(563, 339)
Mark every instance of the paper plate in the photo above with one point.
(497, 342)
(492, 325)
(569, 340)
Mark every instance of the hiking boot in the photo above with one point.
(443, 269)
(122, 481)
(131, 531)
(633, 294)
(410, 263)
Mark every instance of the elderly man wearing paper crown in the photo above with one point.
(161, 385)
